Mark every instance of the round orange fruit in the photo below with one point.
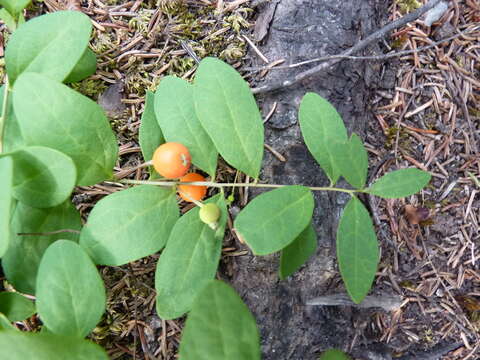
(192, 192)
(172, 160)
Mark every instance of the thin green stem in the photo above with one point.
(4, 112)
(222, 185)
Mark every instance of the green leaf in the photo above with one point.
(150, 135)
(357, 250)
(70, 292)
(8, 19)
(6, 186)
(16, 307)
(5, 324)
(49, 44)
(189, 261)
(22, 259)
(298, 252)
(324, 133)
(128, 225)
(175, 112)
(43, 177)
(21, 19)
(12, 136)
(353, 162)
(227, 111)
(86, 66)
(400, 183)
(14, 7)
(53, 115)
(17, 345)
(334, 354)
(219, 327)
(274, 219)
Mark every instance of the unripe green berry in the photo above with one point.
(209, 214)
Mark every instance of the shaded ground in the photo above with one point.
(302, 30)
(430, 119)
(418, 110)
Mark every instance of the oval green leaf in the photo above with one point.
(175, 112)
(14, 7)
(17, 345)
(12, 136)
(274, 219)
(334, 354)
(8, 20)
(228, 112)
(22, 259)
(150, 135)
(5, 324)
(298, 252)
(324, 133)
(128, 225)
(16, 307)
(53, 115)
(357, 250)
(49, 44)
(6, 193)
(353, 162)
(400, 183)
(86, 66)
(219, 327)
(70, 292)
(43, 177)
(189, 261)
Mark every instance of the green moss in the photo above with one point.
(233, 52)
(179, 20)
(398, 42)
(103, 41)
(403, 139)
(141, 21)
(237, 21)
(407, 6)
(172, 7)
(474, 112)
(90, 87)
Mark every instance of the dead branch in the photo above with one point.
(379, 34)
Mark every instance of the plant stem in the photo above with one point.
(4, 112)
(50, 232)
(222, 185)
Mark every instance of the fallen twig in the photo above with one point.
(381, 57)
(386, 302)
(433, 354)
(414, 15)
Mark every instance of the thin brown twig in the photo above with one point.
(381, 57)
(379, 34)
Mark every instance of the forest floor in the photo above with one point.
(428, 118)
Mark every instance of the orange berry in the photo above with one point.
(189, 192)
(171, 160)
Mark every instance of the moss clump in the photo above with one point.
(407, 6)
(140, 22)
(90, 87)
(172, 7)
(392, 136)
